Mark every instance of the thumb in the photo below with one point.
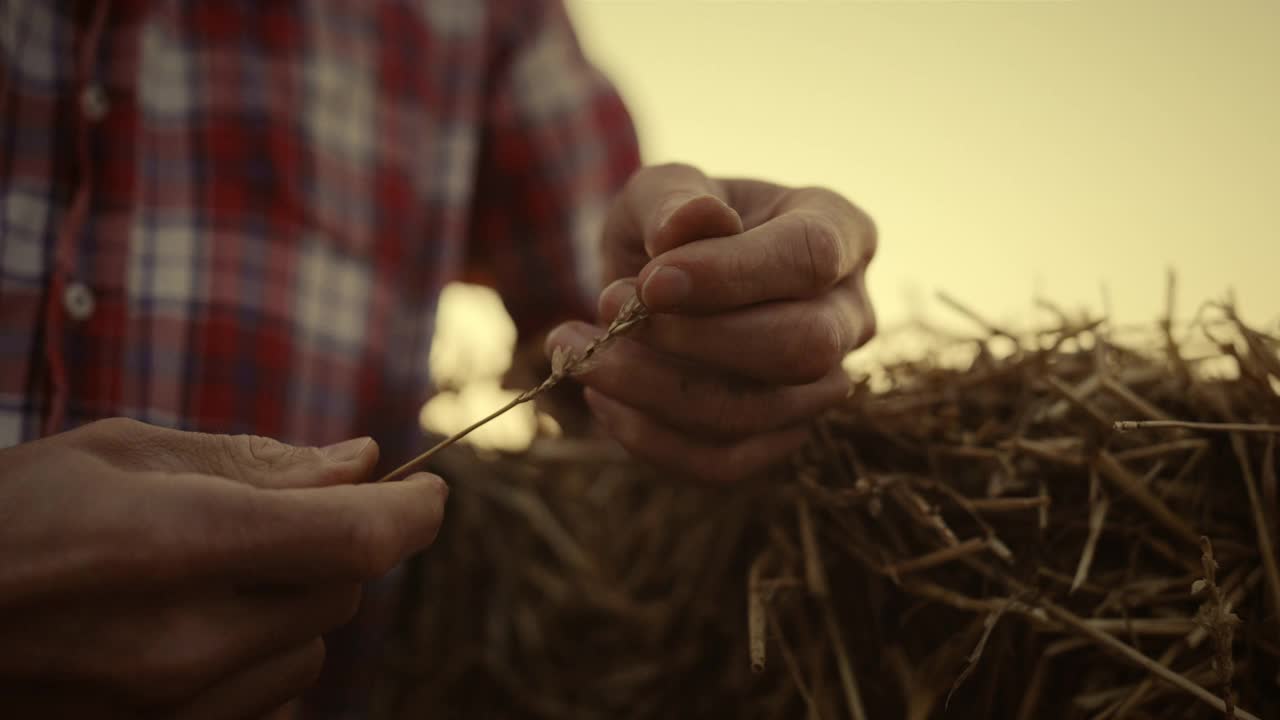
(251, 459)
(267, 463)
(661, 208)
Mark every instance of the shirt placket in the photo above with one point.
(70, 300)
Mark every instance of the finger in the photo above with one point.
(685, 397)
(162, 530)
(251, 459)
(801, 253)
(258, 690)
(790, 342)
(671, 450)
(330, 534)
(660, 208)
(167, 650)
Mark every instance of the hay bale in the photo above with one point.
(981, 533)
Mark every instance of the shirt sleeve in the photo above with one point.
(557, 144)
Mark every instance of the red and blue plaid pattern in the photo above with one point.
(263, 200)
(237, 215)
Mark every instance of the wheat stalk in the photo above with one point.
(1129, 425)
(564, 363)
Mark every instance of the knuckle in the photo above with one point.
(672, 168)
(817, 348)
(864, 226)
(230, 455)
(122, 442)
(120, 427)
(269, 453)
(818, 251)
(244, 457)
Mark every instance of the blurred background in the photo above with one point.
(1008, 150)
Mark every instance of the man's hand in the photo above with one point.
(156, 572)
(758, 293)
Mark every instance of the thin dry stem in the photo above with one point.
(1261, 529)
(848, 680)
(988, 626)
(1099, 505)
(564, 363)
(939, 557)
(1109, 641)
(1130, 425)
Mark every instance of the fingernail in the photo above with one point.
(347, 449)
(666, 287)
(574, 336)
(612, 297)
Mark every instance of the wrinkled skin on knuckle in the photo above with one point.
(268, 453)
(813, 347)
(238, 456)
(817, 252)
(129, 444)
(122, 442)
(861, 224)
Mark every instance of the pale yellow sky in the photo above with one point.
(1005, 149)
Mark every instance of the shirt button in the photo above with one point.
(78, 301)
(93, 102)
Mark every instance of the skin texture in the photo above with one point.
(758, 290)
(147, 572)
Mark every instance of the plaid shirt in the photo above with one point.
(237, 215)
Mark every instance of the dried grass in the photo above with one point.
(984, 532)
